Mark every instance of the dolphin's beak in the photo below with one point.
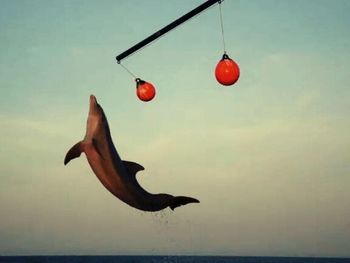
(93, 104)
(93, 99)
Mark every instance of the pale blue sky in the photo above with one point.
(268, 158)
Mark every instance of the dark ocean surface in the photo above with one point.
(168, 259)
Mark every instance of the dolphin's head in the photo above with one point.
(95, 108)
(96, 118)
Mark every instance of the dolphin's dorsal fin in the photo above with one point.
(132, 167)
(73, 152)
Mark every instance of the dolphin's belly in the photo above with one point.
(132, 195)
(111, 180)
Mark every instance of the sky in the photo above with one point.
(267, 157)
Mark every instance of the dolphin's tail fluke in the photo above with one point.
(182, 200)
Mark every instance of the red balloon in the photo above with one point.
(227, 71)
(145, 90)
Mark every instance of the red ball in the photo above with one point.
(145, 90)
(227, 71)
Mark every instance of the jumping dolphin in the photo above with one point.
(118, 176)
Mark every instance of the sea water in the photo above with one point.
(167, 259)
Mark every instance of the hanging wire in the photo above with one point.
(174, 29)
(222, 28)
(127, 70)
(156, 40)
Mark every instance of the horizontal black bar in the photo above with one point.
(167, 28)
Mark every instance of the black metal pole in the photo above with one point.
(167, 28)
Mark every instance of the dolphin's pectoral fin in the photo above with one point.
(182, 200)
(74, 152)
(132, 167)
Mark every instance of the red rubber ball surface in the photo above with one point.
(145, 91)
(227, 72)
